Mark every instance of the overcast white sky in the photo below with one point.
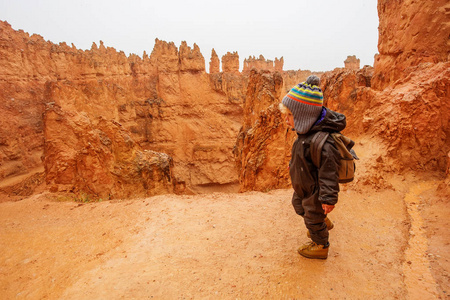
(314, 35)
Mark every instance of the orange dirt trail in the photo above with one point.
(220, 246)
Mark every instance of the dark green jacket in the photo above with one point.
(306, 178)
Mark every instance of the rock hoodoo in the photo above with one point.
(262, 64)
(230, 62)
(352, 62)
(214, 65)
(191, 60)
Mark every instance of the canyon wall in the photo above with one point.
(410, 33)
(402, 104)
(97, 158)
(404, 100)
(412, 73)
(86, 121)
(264, 143)
(60, 104)
(96, 120)
(163, 103)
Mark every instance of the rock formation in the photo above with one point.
(165, 103)
(230, 62)
(279, 63)
(262, 64)
(99, 158)
(348, 91)
(405, 100)
(214, 65)
(259, 63)
(102, 123)
(352, 62)
(191, 60)
(264, 142)
(410, 33)
(407, 111)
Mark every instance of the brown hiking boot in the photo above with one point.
(313, 250)
(327, 221)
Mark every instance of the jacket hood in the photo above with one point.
(331, 122)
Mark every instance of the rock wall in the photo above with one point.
(98, 158)
(349, 91)
(264, 142)
(404, 99)
(402, 103)
(165, 103)
(410, 33)
(412, 75)
(411, 117)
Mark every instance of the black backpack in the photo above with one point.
(347, 165)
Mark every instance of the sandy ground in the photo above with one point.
(386, 244)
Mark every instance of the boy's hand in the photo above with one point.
(327, 208)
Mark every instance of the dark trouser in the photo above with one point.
(311, 210)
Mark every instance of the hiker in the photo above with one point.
(315, 188)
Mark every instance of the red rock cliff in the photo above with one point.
(410, 33)
(264, 142)
(165, 103)
(401, 104)
(404, 102)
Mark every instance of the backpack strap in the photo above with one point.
(317, 143)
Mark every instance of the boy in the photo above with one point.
(315, 188)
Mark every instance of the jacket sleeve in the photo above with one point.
(329, 173)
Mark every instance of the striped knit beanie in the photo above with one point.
(305, 102)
